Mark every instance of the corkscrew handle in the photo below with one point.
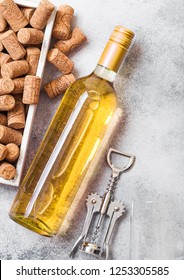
(116, 170)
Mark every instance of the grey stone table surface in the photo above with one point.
(150, 87)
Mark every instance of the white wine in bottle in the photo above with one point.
(70, 143)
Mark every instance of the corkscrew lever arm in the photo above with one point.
(93, 203)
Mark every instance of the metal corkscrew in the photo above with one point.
(102, 206)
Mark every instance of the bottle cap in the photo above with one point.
(116, 48)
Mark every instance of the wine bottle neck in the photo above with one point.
(114, 53)
(105, 73)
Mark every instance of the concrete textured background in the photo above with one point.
(150, 89)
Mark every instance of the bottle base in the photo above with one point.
(33, 224)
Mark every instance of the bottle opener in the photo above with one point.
(102, 206)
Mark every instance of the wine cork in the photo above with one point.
(3, 23)
(62, 24)
(3, 119)
(12, 45)
(9, 135)
(7, 171)
(30, 36)
(4, 58)
(3, 152)
(28, 12)
(6, 86)
(31, 91)
(7, 102)
(41, 15)
(14, 69)
(13, 14)
(59, 85)
(12, 152)
(77, 39)
(1, 47)
(18, 85)
(33, 55)
(16, 116)
(60, 61)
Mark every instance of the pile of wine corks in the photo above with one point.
(21, 36)
(67, 41)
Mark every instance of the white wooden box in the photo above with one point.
(32, 108)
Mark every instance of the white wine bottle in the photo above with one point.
(70, 143)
